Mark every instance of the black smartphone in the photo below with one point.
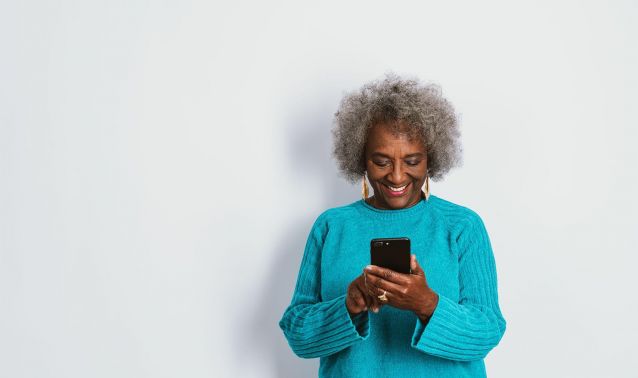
(391, 253)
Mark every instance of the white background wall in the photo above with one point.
(161, 164)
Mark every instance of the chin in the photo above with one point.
(399, 203)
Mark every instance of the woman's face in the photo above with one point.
(394, 162)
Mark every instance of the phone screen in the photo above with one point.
(391, 253)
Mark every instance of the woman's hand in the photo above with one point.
(358, 299)
(405, 291)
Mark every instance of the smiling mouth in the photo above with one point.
(396, 191)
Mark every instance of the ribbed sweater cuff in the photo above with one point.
(324, 328)
(455, 333)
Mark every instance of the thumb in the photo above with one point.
(416, 268)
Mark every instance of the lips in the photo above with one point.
(394, 191)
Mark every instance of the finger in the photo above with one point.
(371, 290)
(357, 299)
(369, 287)
(387, 274)
(377, 285)
(416, 268)
(373, 303)
(376, 304)
(367, 284)
(368, 294)
(363, 290)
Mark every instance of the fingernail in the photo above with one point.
(369, 267)
(375, 310)
(365, 309)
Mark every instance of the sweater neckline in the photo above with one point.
(395, 213)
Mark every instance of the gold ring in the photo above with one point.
(383, 297)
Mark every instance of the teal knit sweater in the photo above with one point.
(453, 248)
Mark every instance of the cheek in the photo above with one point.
(375, 173)
(374, 182)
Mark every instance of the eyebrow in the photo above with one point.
(417, 154)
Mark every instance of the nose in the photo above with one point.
(396, 176)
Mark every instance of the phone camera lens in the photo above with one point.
(378, 244)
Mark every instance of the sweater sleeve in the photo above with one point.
(312, 326)
(469, 329)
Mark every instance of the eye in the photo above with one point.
(381, 163)
(413, 162)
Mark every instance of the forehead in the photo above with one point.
(390, 139)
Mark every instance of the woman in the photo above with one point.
(441, 319)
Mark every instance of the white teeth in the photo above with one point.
(397, 189)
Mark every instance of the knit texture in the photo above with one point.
(453, 248)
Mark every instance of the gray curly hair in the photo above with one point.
(409, 107)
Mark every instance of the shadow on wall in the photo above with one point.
(310, 143)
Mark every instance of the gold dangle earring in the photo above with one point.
(364, 188)
(426, 187)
